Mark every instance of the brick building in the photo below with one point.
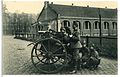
(53, 16)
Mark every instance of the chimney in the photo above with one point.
(72, 4)
(46, 3)
(51, 2)
(106, 7)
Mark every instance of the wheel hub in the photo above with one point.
(49, 55)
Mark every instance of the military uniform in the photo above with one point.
(75, 45)
(94, 59)
(63, 36)
(85, 54)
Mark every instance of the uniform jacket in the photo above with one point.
(75, 40)
(94, 53)
(62, 37)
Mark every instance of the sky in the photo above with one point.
(37, 5)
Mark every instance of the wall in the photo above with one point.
(47, 14)
(92, 32)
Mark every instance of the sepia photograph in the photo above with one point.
(45, 37)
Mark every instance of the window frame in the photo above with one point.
(106, 25)
(87, 25)
(114, 25)
(66, 22)
(96, 25)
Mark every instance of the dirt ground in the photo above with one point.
(16, 60)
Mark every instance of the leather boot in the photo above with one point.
(74, 68)
(78, 65)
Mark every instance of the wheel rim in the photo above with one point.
(49, 55)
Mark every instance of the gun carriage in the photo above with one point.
(51, 53)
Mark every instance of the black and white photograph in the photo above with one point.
(42, 37)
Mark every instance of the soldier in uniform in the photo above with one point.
(75, 46)
(85, 55)
(63, 35)
(94, 59)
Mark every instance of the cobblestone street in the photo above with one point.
(16, 60)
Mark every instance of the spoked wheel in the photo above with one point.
(49, 55)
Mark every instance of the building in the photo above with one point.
(54, 16)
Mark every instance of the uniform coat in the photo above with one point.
(75, 40)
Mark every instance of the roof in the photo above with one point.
(80, 11)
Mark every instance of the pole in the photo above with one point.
(87, 40)
(100, 26)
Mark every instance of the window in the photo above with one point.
(87, 25)
(79, 26)
(39, 27)
(114, 25)
(96, 25)
(66, 23)
(106, 25)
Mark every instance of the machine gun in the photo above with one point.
(50, 54)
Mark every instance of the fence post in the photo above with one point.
(87, 40)
(100, 41)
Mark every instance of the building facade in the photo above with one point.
(88, 19)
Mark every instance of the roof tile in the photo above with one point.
(80, 11)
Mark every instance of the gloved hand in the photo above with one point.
(70, 35)
(68, 44)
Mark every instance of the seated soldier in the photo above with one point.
(94, 60)
(85, 55)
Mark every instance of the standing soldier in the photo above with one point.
(75, 46)
(63, 36)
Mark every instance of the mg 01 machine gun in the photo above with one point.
(51, 54)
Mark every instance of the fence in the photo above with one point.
(106, 47)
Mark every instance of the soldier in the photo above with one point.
(63, 35)
(75, 46)
(85, 55)
(94, 59)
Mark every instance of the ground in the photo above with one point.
(16, 60)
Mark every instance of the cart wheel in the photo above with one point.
(49, 55)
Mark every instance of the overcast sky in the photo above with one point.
(37, 5)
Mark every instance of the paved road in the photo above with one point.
(16, 60)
